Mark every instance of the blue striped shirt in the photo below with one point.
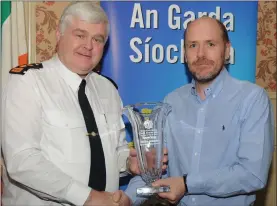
(223, 143)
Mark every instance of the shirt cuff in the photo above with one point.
(123, 154)
(78, 193)
(195, 184)
(131, 190)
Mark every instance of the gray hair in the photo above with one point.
(88, 11)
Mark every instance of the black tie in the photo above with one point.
(97, 177)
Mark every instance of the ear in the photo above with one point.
(185, 56)
(227, 51)
(58, 34)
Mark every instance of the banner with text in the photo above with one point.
(145, 49)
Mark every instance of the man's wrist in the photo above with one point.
(88, 199)
(185, 183)
(77, 193)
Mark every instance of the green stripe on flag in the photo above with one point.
(5, 11)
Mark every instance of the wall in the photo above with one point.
(48, 13)
(266, 46)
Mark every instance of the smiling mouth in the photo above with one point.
(84, 55)
(202, 65)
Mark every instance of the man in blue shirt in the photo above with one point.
(220, 133)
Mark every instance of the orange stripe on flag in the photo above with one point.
(23, 59)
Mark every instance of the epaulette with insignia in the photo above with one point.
(25, 67)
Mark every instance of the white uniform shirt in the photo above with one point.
(44, 135)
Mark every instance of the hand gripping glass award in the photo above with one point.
(147, 120)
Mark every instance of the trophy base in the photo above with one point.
(149, 191)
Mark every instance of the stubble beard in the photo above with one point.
(208, 78)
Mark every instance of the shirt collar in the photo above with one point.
(71, 78)
(216, 86)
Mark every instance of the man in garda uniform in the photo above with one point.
(48, 148)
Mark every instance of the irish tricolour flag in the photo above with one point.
(13, 41)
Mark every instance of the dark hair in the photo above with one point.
(222, 28)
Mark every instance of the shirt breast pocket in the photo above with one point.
(221, 132)
(115, 125)
(66, 137)
(222, 135)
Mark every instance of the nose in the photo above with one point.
(89, 44)
(200, 51)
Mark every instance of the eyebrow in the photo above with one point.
(80, 30)
(195, 41)
(84, 31)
